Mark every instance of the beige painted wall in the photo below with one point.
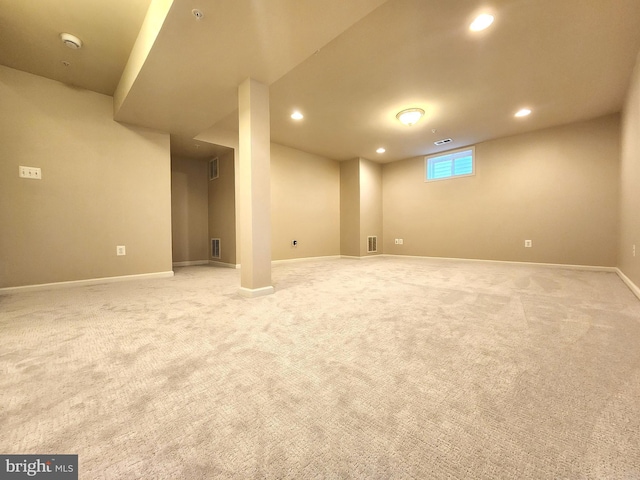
(370, 204)
(189, 209)
(305, 204)
(222, 209)
(360, 206)
(103, 184)
(558, 187)
(630, 182)
(228, 138)
(350, 208)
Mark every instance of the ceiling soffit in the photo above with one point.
(30, 39)
(189, 79)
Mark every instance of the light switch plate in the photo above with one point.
(34, 173)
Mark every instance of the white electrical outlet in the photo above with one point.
(528, 244)
(121, 250)
(397, 241)
(30, 172)
(400, 241)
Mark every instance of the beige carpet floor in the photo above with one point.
(380, 368)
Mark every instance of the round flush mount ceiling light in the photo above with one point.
(523, 112)
(410, 116)
(71, 41)
(381, 150)
(481, 22)
(297, 115)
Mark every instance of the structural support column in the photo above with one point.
(254, 150)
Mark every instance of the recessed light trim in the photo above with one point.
(297, 115)
(380, 150)
(523, 112)
(481, 22)
(410, 116)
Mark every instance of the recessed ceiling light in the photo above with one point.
(523, 112)
(410, 116)
(380, 150)
(71, 41)
(297, 116)
(481, 22)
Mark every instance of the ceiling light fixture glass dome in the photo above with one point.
(410, 116)
(481, 22)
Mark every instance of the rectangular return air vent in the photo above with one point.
(443, 141)
(215, 248)
(372, 244)
(213, 168)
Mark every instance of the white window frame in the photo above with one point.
(457, 152)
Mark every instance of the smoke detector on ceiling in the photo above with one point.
(71, 41)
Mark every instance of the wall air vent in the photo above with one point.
(213, 168)
(372, 244)
(444, 141)
(215, 248)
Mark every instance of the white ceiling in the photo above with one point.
(348, 66)
(30, 39)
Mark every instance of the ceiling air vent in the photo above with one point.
(443, 141)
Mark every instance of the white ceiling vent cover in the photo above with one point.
(372, 244)
(443, 141)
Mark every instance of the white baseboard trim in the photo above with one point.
(191, 263)
(222, 264)
(592, 268)
(304, 259)
(256, 292)
(87, 282)
(632, 286)
(370, 255)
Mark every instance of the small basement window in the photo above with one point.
(456, 163)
